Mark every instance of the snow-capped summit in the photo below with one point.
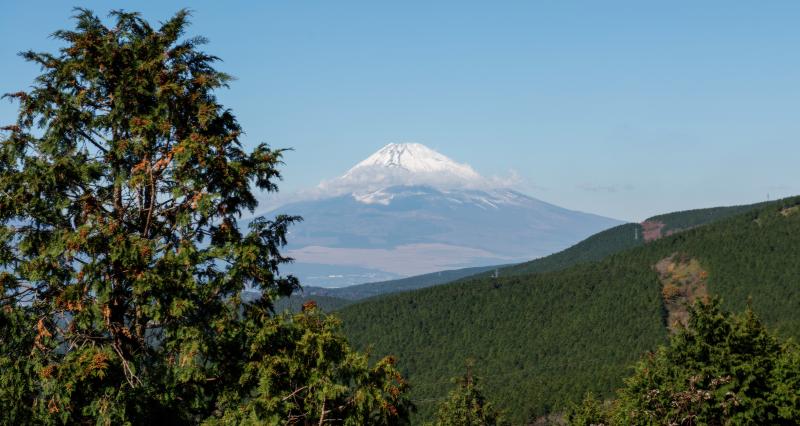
(408, 210)
(414, 158)
(405, 164)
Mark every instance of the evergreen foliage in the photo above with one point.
(122, 262)
(465, 405)
(331, 299)
(542, 340)
(295, 303)
(594, 248)
(623, 237)
(330, 383)
(719, 369)
(689, 219)
(590, 412)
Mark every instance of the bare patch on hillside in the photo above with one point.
(788, 211)
(654, 229)
(651, 229)
(683, 281)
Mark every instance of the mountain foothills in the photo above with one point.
(330, 299)
(408, 210)
(576, 324)
(593, 248)
(627, 236)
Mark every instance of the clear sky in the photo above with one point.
(626, 109)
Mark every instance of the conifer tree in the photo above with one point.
(123, 262)
(719, 369)
(590, 412)
(466, 405)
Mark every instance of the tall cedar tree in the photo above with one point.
(123, 265)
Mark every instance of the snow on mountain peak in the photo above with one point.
(404, 164)
(414, 158)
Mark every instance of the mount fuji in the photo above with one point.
(405, 164)
(408, 210)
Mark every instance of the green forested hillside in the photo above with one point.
(692, 218)
(295, 303)
(624, 237)
(330, 299)
(363, 291)
(594, 248)
(543, 340)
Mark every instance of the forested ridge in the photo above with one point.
(540, 341)
(363, 291)
(688, 219)
(595, 247)
(330, 299)
(624, 237)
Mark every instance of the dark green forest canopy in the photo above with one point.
(542, 340)
(721, 368)
(624, 237)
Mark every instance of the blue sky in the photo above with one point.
(626, 109)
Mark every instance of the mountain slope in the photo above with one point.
(627, 236)
(542, 340)
(330, 299)
(498, 225)
(593, 248)
(363, 291)
(408, 210)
